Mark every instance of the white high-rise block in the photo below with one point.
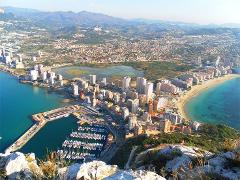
(126, 83)
(75, 89)
(93, 79)
(141, 83)
(44, 75)
(34, 75)
(149, 90)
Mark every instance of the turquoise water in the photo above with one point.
(101, 72)
(51, 136)
(17, 103)
(218, 105)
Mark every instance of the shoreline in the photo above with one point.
(19, 142)
(198, 89)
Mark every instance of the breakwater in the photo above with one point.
(40, 121)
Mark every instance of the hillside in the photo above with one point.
(62, 19)
(171, 161)
(25, 166)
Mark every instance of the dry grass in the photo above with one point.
(49, 167)
(29, 158)
(193, 172)
(229, 145)
(3, 173)
(51, 164)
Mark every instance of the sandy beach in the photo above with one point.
(198, 89)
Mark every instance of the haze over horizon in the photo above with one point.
(201, 12)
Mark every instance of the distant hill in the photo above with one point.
(18, 11)
(89, 19)
(173, 23)
(184, 24)
(231, 25)
(6, 16)
(83, 18)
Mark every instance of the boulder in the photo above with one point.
(178, 159)
(182, 162)
(217, 161)
(137, 175)
(229, 155)
(72, 171)
(33, 166)
(24, 174)
(96, 169)
(16, 162)
(223, 166)
(3, 159)
(62, 173)
(100, 170)
(191, 152)
(90, 170)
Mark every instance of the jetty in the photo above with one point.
(55, 114)
(40, 120)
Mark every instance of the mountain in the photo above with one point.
(61, 19)
(184, 24)
(7, 16)
(173, 23)
(84, 18)
(18, 11)
(231, 25)
(89, 19)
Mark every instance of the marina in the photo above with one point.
(86, 143)
(40, 121)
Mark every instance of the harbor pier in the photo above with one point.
(40, 120)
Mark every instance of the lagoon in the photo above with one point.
(109, 71)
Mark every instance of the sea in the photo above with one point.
(217, 105)
(17, 103)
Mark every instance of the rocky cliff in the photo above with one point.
(20, 166)
(168, 161)
(184, 162)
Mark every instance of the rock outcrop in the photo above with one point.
(91, 170)
(177, 161)
(20, 166)
(190, 162)
(130, 175)
(226, 165)
(15, 166)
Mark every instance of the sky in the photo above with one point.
(192, 11)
